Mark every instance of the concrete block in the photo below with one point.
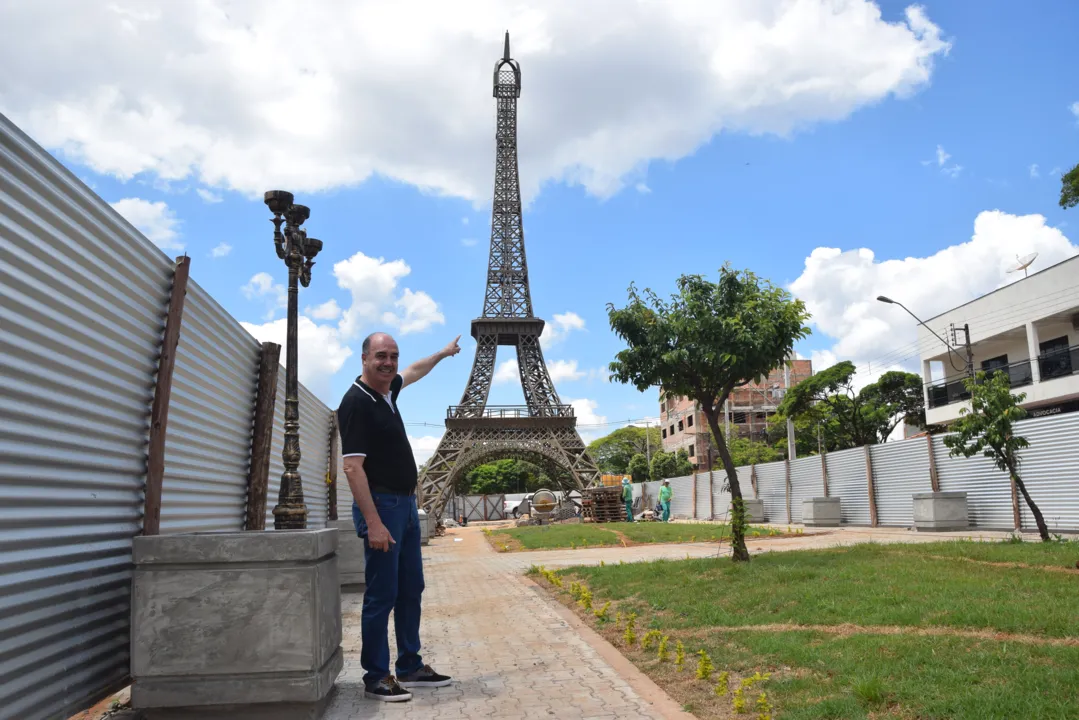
(350, 557)
(941, 511)
(425, 527)
(232, 625)
(821, 512)
(754, 510)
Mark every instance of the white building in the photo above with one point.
(1029, 329)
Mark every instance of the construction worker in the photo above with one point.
(665, 494)
(627, 498)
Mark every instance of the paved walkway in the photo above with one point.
(516, 654)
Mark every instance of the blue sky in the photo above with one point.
(917, 134)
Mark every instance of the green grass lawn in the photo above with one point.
(942, 630)
(550, 537)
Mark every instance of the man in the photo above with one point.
(665, 494)
(627, 498)
(381, 472)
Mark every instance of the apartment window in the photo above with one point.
(1055, 360)
(672, 430)
(739, 418)
(664, 433)
(994, 364)
(680, 427)
(691, 450)
(689, 421)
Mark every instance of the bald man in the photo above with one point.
(381, 472)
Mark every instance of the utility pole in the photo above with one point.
(647, 442)
(790, 423)
(966, 343)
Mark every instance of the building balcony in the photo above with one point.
(947, 392)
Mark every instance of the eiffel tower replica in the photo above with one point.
(544, 431)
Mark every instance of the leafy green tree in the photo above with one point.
(710, 338)
(613, 452)
(505, 476)
(1069, 188)
(745, 451)
(682, 465)
(854, 418)
(987, 427)
(638, 468)
(664, 465)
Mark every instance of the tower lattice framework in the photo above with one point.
(544, 430)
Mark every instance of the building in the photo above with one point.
(1028, 329)
(683, 426)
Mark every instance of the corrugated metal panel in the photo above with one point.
(81, 309)
(807, 481)
(208, 446)
(772, 490)
(344, 493)
(989, 492)
(1050, 470)
(745, 481)
(314, 455)
(721, 499)
(900, 469)
(704, 496)
(847, 481)
(682, 496)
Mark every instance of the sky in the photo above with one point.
(842, 149)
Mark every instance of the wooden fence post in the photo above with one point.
(824, 471)
(335, 448)
(694, 495)
(159, 411)
(871, 487)
(934, 480)
(258, 474)
(711, 495)
(788, 463)
(753, 480)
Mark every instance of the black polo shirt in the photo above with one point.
(371, 427)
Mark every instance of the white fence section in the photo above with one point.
(1050, 470)
(807, 481)
(900, 469)
(682, 497)
(772, 490)
(704, 496)
(989, 495)
(847, 481)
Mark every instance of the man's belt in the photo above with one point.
(382, 490)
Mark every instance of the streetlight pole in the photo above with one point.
(298, 251)
(967, 361)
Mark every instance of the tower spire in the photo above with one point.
(506, 52)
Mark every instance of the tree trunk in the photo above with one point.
(1043, 530)
(739, 552)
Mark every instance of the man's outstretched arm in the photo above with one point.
(418, 369)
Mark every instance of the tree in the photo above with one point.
(855, 418)
(638, 468)
(752, 452)
(613, 452)
(987, 428)
(707, 340)
(664, 465)
(1069, 188)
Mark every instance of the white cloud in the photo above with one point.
(470, 242)
(942, 156)
(464, 221)
(1075, 109)
(840, 288)
(373, 282)
(507, 372)
(153, 219)
(1034, 174)
(208, 196)
(321, 352)
(563, 370)
(203, 92)
(643, 188)
(423, 447)
(557, 328)
(590, 424)
(328, 310)
(221, 250)
(952, 170)
(261, 285)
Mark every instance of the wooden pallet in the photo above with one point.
(603, 505)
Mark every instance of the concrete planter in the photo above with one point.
(350, 557)
(235, 625)
(941, 511)
(754, 510)
(821, 512)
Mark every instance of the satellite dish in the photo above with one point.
(1022, 263)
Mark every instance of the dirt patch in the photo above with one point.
(993, 563)
(501, 542)
(849, 629)
(626, 542)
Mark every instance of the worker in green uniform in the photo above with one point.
(627, 498)
(665, 499)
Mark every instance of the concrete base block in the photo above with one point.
(941, 511)
(235, 625)
(350, 557)
(425, 527)
(754, 510)
(821, 512)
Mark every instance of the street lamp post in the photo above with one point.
(967, 361)
(298, 251)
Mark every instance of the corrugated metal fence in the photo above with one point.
(83, 298)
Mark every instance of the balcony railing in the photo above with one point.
(947, 392)
(1060, 363)
(507, 411)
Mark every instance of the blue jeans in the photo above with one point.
(394, 581)
(666, 510)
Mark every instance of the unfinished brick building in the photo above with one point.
(684, 426)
